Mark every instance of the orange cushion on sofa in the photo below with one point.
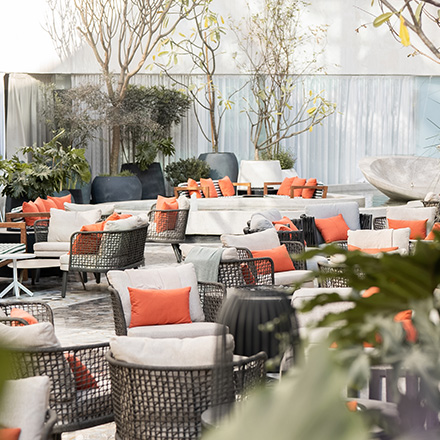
(308, 193)
(210, 184)
(20, 313)
(297, 181)
(159, 307)
(10, 433)
(28, 207)
(284, 189)
(166, 220)
(280, 257)
(226, 187)
(285, 221)
(372, 251)
(44, 205)
(84, 380)
(59, 201)
(332, 228)
(193, 184)
(417, 227)
(431, 235)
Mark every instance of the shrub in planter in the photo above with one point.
(180, 171)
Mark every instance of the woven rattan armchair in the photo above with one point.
(76, 405)
(211, 295)
(168, 226)
(168, 402)
(99, 252)
(41, 311)
(283, 235)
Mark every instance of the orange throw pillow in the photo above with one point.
(59, 201)
(285, 221)
(10, 433)
(284, 189)
(84, 380)
(193, 184)
(431, 235)
(44, 205)
(297, 181)
(371, 251)
(418, 227)
(28, 207)
(332, 228)
(166, 220)
(159, 307)
(280, 257)
(226, 187)
(248, 276)
(308, 193)
(210, 184)
(20, 313)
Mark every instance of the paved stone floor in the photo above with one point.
(85, 316)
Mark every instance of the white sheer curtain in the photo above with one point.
(376, 115)
(2, 116)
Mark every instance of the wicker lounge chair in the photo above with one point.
(41, 311)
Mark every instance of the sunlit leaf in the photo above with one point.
(311, 110)
(404, 33)
(419, 11)
(381, 19)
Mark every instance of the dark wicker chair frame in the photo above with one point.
(311, 231)
(41, 311)
(75, 409)
(171, 225)
(331, 276)
(167, 402)
(283, 235)
(212, 296)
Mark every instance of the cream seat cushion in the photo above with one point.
(171, 352)
(52, 249)
(257, 241)
(180, 331)
(24, 405)
(169, 277)
(294, 276)
(106, 209)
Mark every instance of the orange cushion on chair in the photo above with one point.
(417, 227)
(284, 189)
(193, 184)
(10, 433)
(285, 221)
(332, 228)
(159, 307)
(297, 181)
(226, 187)
(210, 184)
(280, 257)
(84, 380)
(308, 193)
(59, 201)
(166, 220)
(20, 313)
(28, 207)
(431, 235)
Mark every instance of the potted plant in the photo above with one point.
(183, 169)
(115, 188)
(52, 168)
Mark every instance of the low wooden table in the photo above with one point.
(35, 265)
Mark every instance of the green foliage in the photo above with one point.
(52, 168)
(405, 283)
(285, 157)
(146, 151)
(180, 171)
(124, 173)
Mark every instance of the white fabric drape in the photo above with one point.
(376, 115)
(2, 116)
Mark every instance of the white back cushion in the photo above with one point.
(172, 352)
(63, 224)
(170, 277)
(127, 224)
(24, 405)
(106, 209)
(29, 336)
(376, 239)
(349, 210)
(257, 241)
(406, 213)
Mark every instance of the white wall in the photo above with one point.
(26, 47)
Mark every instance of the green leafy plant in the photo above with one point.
(51, 168)
(125, 173)
(146, 152)
(285, 157)
(180, 171)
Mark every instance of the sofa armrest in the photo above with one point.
(246, 184)
(266, 186)
(212, 296)
(178, 189)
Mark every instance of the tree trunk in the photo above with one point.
(114, 154)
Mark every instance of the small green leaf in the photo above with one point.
(381, 19)
(419, 11)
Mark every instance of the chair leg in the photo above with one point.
(177, 252)
(64, 284)
(97, 277)
(83, 278)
